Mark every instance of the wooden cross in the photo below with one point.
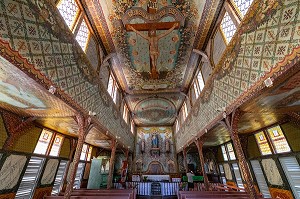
(152, 37)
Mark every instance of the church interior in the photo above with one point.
(115, 99)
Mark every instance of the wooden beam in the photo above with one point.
(156, 26)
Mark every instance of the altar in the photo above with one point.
(157, 178)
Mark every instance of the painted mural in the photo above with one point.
(11, 171)
(271, 171)
(155, 152)
(49, 172)
(152, 38)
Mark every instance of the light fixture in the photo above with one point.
(268, 82)
(52, 89)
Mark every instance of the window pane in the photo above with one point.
(56, 145)
(222, 174)
(224, 153)
(292, 171)
(196, 90)
(260, 178)
(228, 27)
(78, 176)
(82, 35)
(231, 151)
(29, 180)
(177, 126)
(68, 9)
(83, 152)
(243, 5)
(184, 111)
(90, 153)
(59, 177)
(262, 143)
(278, 140)
(200, 81)
(43, 143)
(132, 126)
(110, 85)
(115, 93)
(237, 174)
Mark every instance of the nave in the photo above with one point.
(149, 99)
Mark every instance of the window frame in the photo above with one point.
(89, 146)
(77, 22)
(270, 142)
(227, 151)
(76, 19)
(50, 144)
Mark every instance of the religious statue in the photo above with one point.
(154, 141)
(153, 45)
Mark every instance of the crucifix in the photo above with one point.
(152, 38)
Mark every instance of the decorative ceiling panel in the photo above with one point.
(153, 41)
(22, 95)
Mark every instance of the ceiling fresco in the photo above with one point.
(152, 42)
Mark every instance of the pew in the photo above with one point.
(88, 197)
(181, 194)
(99, 193)
(212, 194)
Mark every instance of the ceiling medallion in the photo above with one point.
(154, 111)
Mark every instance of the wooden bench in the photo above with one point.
(211, 194)
(182, 193)
(88, 197)
(128, 193)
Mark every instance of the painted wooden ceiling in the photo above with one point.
(27, 98)
(152, 43)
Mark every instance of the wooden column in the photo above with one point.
(111, 164)
(231, 122)
(85, 125)
(185, 160)
(199, 144)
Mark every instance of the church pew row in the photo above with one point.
(88, 197)
(103, 192)
(212, 194)
(216, 196)
(182, 193)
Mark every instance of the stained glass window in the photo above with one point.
(84, 152)
(262, 143)
(69, 10)
(89, 153)
(196, 89)
(230, 151)
(224, 153)
(125, 113)
(278, 140)
(56, 145)
(177, 126)
(228, 27)
(132, 126)
(82, 35)
(243, 5)
(43, 142)
(200, 81)
(184, 111)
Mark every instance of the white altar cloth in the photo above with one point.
(157, 178)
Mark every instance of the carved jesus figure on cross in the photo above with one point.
(152, 38)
